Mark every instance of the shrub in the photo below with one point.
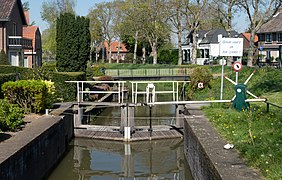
(11, 116)
(31, 95)
(94, 70)
(23, 73)
(199, 75)
(3, 58)
(5, 78)
(66, 91)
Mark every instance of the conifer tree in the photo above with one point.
(3, 58)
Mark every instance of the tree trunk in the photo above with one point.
(179, 35)
(110, 52)
(119, 44)
(135, 47)
(154, 51)
(143, 54)
(194, 48)
(251, 48)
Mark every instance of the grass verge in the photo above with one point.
(255, 133)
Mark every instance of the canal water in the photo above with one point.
(106, 160)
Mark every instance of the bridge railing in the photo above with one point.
(151, 72)
(82, 89)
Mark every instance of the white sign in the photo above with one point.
(237, 66)
(231, 47)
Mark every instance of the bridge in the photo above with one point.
(148, 90)
(181, 73)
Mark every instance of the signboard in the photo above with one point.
(237, 66)
(231, 47)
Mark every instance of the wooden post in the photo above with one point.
(179, 119)
(78, 115)
(127, 122)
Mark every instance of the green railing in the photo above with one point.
(151, 72)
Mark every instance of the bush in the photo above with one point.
(11, 116)
(5, 78)
(66, 91)
(23, 73)
(94, 70)
(31, 95)
(199, 75)
(3, 58)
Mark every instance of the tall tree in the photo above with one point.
(50, 11)
(258, 12)
(73, 42)
(176, 17)
(194, 10)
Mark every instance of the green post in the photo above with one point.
(239, 103)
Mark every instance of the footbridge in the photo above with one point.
(130, 94)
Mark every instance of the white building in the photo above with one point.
(207, 45)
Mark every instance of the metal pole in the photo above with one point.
(150, 128)
(237, 77)
(221, 84)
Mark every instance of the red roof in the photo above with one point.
(248, 37)
(114, 47)
(30, 32)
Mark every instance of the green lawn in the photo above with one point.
(256, 134)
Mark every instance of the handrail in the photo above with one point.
(269, 103)
(152, 72)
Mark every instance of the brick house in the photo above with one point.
(270, 39)
(32, 57)
(117, 49)
(246, 44)
(12, 21)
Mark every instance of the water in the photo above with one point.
(106, 160)
(100, 159)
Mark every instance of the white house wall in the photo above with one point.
(214, 50)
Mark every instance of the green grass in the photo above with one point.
(257, 135)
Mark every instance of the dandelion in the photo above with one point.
(254, 137)
(266, 170)
(266, 162)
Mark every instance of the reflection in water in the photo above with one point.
(97, 159)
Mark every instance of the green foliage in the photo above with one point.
(73, 43)
(94, 70)
(3, 58)
(199, 75)
(66, 91)
(23, 73)
(5, 78)
(167, 56)
(31, 95)
(11, 116)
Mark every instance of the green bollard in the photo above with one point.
(239, 103)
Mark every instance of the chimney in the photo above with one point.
(26, 13)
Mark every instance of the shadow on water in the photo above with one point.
(99, 159)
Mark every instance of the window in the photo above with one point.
(279, 37)
(14, 29)
(268, 38)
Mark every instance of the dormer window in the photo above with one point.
(268, 37)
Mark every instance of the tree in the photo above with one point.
(3, 58)
(194, 10)
(177, 19)
(73, 43)
(258, 13)
(50, 11)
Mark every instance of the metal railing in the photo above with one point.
(81, 89)
(151, 72)
(19, 41)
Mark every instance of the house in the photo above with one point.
(246, 44)
(117, 49)
(12, 41)
(32, 57)
(207, 45)
(270, 38)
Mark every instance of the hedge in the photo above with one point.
(24, 73)
(5, 78)
(66, 91)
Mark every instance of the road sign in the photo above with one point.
(237, 66)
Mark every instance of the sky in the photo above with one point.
(82, 9)
(83, 6)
